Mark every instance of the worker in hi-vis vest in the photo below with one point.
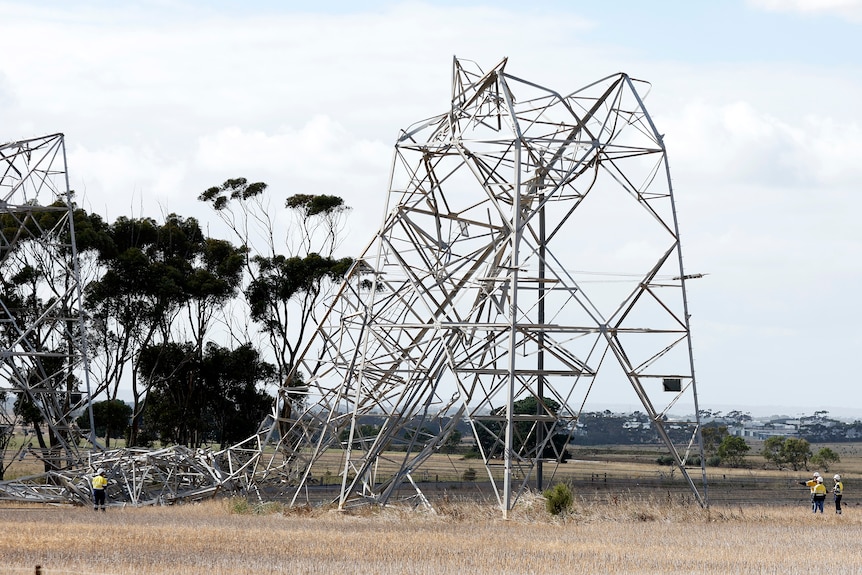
(819, 495)
(811, 484)
(838, 491)
(100, 482)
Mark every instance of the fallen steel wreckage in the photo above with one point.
(464, 303)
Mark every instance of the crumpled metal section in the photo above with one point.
(144, 476)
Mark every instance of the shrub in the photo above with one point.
(242, 506)
(239, 506)
(469, 474)
(732, 451)
(714, 461)
(558, 499)
(824, 458)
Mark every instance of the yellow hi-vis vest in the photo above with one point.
(99, 482)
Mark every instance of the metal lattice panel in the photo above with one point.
(42, 340)
(484, 288)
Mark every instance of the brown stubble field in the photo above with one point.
(223, 537)
(629, 517)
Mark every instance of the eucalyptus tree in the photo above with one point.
(288, 270)
(215, 397)
(555, 437)
(131, 304)
(162, 283)
(111, 419)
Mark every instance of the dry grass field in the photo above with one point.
(632, 536)
(631, 515)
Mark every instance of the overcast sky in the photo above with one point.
(759, 102)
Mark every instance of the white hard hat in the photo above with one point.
(816, 474)
(837, 477)
(100, 472)
(819, 480)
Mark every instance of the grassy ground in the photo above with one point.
(631, 515)
(226, 537)
(601, 473)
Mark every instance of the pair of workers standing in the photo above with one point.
(819, 491)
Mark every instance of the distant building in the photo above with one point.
(761, 430)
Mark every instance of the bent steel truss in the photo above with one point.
(44, 357)
(43, 351)
(528, 265)
(528, 259)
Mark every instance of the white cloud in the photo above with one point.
(158, 106)
(319, 150)
(735, 142)
(850, 9)
(122, 180)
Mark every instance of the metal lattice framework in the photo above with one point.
(529, 260)
(42, 341)
(44, 356)
(530, 256)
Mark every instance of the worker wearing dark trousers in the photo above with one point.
(819, 495)
(811, 484)
(99, 485)
(838, 492)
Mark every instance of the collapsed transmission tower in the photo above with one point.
(43, 352)
(529, 256)
(528, 261)
(44, 359)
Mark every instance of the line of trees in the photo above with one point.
(795, 453)
(195, 328)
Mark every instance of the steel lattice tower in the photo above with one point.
(492, 281)
(43, 348)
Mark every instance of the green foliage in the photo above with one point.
(110, 418)
(783, 451)
(151, 272)
(242, 506)
(314, 205)
(232, 189)
(712, 437)
(732, 451)
(713, 461)
(558, 499)
(363, 435)
(469, 474)
(452, 442)
(665, 460)
(825, 457)
(472, 453)
(239, 506)
(281, 278)
(211, 398)
(27, 410)
(796, 452)
(491, 434)
(771, 450)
